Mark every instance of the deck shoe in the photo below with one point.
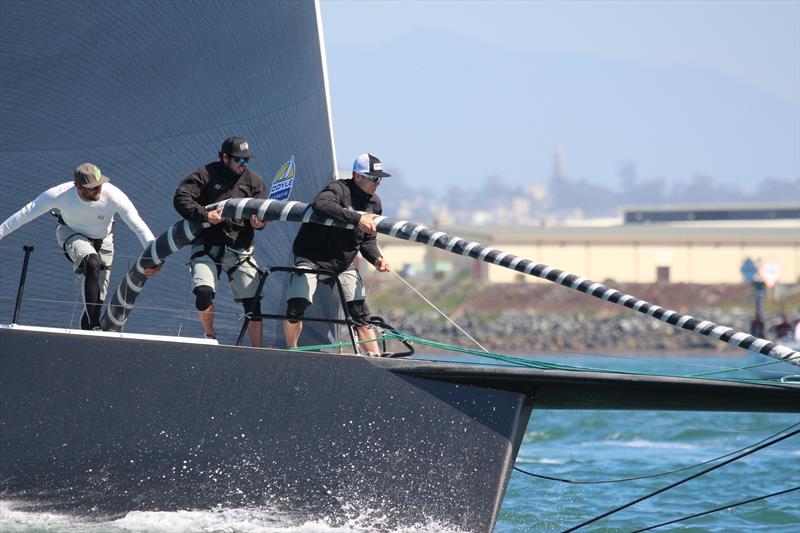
(209, 336)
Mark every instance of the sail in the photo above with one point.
(147, 91)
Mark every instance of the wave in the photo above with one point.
(16, 518)
(539, 461)
(644, 443)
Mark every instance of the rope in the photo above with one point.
(682, 481)
(398, 276)
(635, 478)
(318, 347)
(543, 365)
(735, 369)
(723, 508)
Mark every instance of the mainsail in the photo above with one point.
(147, 91)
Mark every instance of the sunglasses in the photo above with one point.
(240, 160)
(373, 179)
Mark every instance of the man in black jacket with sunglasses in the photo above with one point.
(227, 245)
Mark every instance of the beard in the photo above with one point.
(91, 195)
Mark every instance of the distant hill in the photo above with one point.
(488, 126)
(499, 202)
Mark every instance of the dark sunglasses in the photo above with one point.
(373, 179)
(240, 160)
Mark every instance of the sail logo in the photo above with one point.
(282, 183)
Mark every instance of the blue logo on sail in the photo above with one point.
(282, 184)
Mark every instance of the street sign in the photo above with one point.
(770, 273)
(748, 270)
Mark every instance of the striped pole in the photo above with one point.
(403, 229)
(119, 307)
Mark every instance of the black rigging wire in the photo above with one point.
(682, 481)
(724, 507)
(659, 474)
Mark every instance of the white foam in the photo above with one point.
(539, 461)
(257, 520)
(644, 443)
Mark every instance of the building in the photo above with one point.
(670, 244)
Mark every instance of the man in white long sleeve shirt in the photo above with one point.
(87, 207)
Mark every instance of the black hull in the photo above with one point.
(103, 426)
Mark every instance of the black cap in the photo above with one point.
(236, 146)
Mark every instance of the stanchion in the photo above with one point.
(21, 288)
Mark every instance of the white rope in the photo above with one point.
(398, 276)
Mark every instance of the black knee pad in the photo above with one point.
(252, 305)
(296, 308)
(204, 295)
(359, 312)
(90, 265)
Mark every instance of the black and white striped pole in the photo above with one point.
(119, 307)
(275, 210)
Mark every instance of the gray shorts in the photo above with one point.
(243, 279)
(304, 285)
(78, 246)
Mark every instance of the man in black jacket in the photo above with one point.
(226, 246)
(334, 249)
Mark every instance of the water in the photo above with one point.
(580, 445)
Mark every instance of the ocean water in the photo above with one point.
(574, 445)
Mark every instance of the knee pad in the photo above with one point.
(296, 308)
(204, 295)
(252, 305)
(91, 265)
(359, 312)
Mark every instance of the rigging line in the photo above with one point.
(735, 369)
(398, 276)
(621, 480)
(553, 366)
(74, 306)
(182, 317)
(682, 481)
(723, 508)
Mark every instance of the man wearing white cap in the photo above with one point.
(86, 207)
(334, 249)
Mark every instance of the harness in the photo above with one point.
(96, 243)
(216, 251)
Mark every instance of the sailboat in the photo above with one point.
(139, 418)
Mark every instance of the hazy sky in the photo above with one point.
(719, 83)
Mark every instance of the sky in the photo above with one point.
(452, 93)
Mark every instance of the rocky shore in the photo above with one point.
(538, 318)
(527, 332)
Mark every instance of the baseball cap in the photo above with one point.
(88, 175)
(236, 146)
(369, 165)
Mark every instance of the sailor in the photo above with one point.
(227, 245)
(85, 208)
(334, 249)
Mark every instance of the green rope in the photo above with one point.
(544, 365)
(318, 347)
(738, 368)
